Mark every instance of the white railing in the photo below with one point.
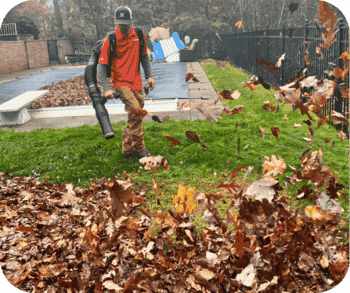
(8, 29)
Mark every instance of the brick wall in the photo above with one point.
(16, 56)
(38, 55)
(65, 47)
(13, 57)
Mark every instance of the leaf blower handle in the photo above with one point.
(116, 95)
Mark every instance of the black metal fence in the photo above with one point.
(271, 44)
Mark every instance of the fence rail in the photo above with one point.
(8, 29)
(271, 44)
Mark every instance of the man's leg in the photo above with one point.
(132, 142)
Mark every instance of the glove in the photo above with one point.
(109, 94)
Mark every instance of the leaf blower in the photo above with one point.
(98, 101)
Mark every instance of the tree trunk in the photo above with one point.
(281, 14)
(58, 18)
(243, 26)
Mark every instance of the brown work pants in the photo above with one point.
(132, 134)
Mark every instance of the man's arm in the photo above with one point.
(146, 66)
(102, 65)
(102, 74)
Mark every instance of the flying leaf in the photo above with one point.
(344, 90)
(209, 109)
(156, 187)
(165, 118)
(261, 132)
(319, 52)
(307, 56)
(269, 65)
(329, 20)
(156, 118)
(279, 62)
(293, 7)
(193, 136)
(239, 24)
(273, 166)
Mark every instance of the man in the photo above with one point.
(126, 77)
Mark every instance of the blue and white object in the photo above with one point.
(187, 40)
(167, 48)
(173, 58)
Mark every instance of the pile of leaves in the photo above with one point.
(55, 238)
(71, 92)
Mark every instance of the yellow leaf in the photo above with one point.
(183, 201)
(239, 24)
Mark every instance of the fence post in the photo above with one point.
(267, 47)
(240, 59)
(338, 98)
(306, 25)
(209, 46)
(247, 66)
(282, 75)
(256, 48)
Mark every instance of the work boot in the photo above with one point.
(143, 153)
(129, 156)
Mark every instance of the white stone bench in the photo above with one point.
(14, 112)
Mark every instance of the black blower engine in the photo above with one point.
(98, 101)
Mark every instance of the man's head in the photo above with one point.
(123, 15)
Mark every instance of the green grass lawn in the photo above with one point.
(77, 155)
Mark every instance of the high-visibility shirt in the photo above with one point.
(125, 69)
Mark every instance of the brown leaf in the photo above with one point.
(165, 119)
(337, 72)
(307, 61)
(262, 132)
(26, 229)
(344, 90)
(221, 64)
(293, 7)
(195, 79)
(174, 141)
(322, 121)
(209, 109)
(156, 187)
(189, 75)
(319, 52)
(193, 136)
(268, 107)
(269, 65)
(275, 131)
(156, 118)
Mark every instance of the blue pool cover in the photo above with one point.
(169, 78)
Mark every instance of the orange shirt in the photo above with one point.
(125, 69)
